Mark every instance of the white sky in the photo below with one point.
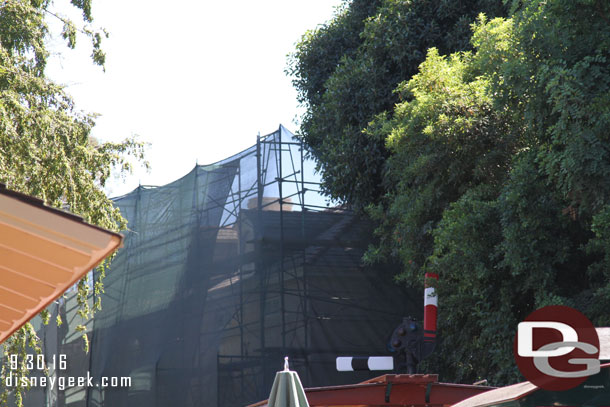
(196, 79)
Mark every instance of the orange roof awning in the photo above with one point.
(43, 251)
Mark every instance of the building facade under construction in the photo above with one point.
(224, 272)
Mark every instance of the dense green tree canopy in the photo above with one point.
(45, 145)
(346, 73)
(487, 166)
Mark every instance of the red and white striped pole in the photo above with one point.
(430, 307)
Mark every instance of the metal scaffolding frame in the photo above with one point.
(227, 270)
(271, 150)
(286, 275)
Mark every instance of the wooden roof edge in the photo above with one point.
(39, 203)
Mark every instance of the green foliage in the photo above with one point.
(445, 140)
(346, 73)
(18, 344)
(320, 53)
(491, 167)
(509, 204)
(479, 307)
(320, 50)
(45, 145)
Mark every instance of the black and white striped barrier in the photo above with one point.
(407, 342)
(352, 363)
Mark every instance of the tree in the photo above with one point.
(450, 155)
(45, 145)
(346, 73)
(487, 166)
(499, 165)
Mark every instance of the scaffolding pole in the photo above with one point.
(260, 267)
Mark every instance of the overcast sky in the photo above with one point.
(196, 79)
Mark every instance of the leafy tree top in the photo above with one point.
(46, 148)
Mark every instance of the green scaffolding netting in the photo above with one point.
(224, 272)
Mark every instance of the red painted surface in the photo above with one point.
(392, 391)
(430, 311)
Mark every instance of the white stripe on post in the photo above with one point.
(430, 297)
(381, 363)
(344, 364)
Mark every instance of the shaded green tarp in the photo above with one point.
(224, 272)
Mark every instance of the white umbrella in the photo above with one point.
(287, 390)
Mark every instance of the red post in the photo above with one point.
(430, 307)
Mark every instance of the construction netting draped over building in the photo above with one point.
(224, 272)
